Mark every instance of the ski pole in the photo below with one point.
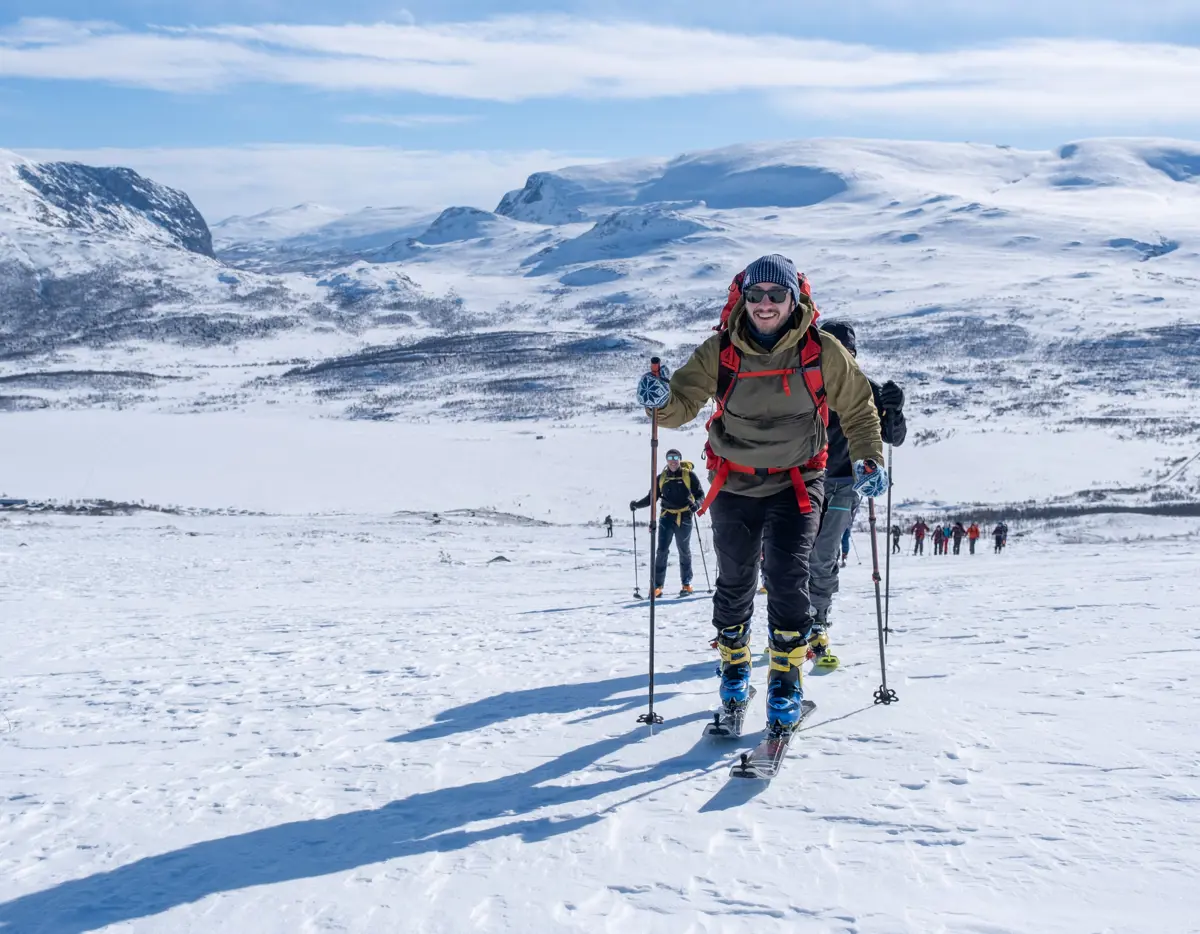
(650, 717)
(703, 558)
(854, 545)
(887, 580)
(884, 695)
(637, 589)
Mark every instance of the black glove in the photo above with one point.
(633, 505)
(891, 397)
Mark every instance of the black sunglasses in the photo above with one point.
(777, 296)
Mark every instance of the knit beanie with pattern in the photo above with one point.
(776, 269)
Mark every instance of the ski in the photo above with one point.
(669, 601)
(728, 719)
(765, 760)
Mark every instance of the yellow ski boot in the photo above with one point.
(818, 651)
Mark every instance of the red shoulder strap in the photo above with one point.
(728, 367)
(810, 366)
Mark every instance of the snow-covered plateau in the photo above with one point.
(367, 662)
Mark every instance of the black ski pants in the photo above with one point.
(677, 528)
(973, 545)
(957, 545)
(895, 544)
(745, 527)
(919, 546)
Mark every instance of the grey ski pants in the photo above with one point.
(841, 502)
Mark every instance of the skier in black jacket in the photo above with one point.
(679, 492)
(841, 502)
(959, 532)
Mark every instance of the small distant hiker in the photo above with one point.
(896, 533)
(973, 536)
(845, 545)
(939, 540)
(1000, 534)
(946, 532)
(959, 532)
(918, 532)
(608, 526)
(679, 491)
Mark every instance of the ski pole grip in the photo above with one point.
(655, 365)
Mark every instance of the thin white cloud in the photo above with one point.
(522, 58)
(1035, 82)
(223, 181)
(408, 121)
(35, 30)
(936, 17)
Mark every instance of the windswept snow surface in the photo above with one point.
(367, 724)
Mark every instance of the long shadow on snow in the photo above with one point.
(554, 698)
(426, 822)
(640, 604)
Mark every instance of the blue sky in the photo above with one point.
(262, 80)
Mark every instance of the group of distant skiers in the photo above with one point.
(944, 535)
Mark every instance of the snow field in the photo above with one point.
(359, 724)
(275, 461)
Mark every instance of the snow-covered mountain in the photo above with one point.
(312, 238)
(275, 224)
(94, 260)
(107, 201)
(1021, 292)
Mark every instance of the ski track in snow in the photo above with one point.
(359, 724)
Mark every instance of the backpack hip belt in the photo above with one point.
(724, 467)
(677, 513)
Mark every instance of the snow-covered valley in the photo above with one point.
(1014, 294)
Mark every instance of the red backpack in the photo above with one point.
(729, 372)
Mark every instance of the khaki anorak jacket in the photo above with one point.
(764, 426)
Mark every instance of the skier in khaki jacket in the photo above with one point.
(772, 375)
